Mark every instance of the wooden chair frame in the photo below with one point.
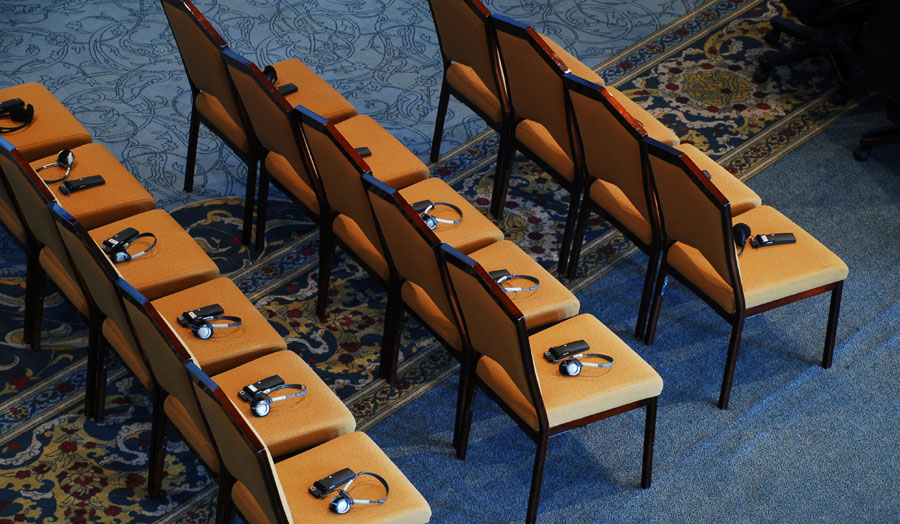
(545, 431)
(509, 144)
(741, 313)
(254, 153)
(446, 89)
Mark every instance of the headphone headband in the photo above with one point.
(261, 403)
(203, 328)
(504, 278)
(425, 206)
(121, 255)
(16, 110)
(64, 159)
(343, 501)
(571, 367)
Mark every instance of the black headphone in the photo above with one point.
(115, 246)
(270, 73)
(571, 367)
(343, 501)
(741, 234)
(64, 159)
(203, 328)
(17, 111)
(504, 278)
(432, 221)
(261, 402)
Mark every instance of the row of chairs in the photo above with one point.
(131, 302)
(669, 198)
(435, 262)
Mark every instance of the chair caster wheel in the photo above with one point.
(760, 75)
(772, 37)
(861, 154)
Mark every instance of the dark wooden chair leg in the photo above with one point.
(640, 327)
(96, 367)
(656, 303)
(224, 505)
(731, 360)
(831, 331)
(465, 417)
(326, 251)
(261, 209)
(649, 439)
(34, 299)
(439, 120)
(158, 441)
(569, 231)
(390, 341)
(537, 478)
(250, 195)
(584, 212)
(505, 159)
(193, 135)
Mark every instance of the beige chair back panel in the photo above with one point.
(490, 329)
(412, 255)
(463, 36)
(535, 87)
(201, 59)
(611, 152)
(239, 457)
(689, 215)
(270, 122)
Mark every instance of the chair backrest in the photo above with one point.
(32, 196)
(495, 327)
(10, 215)
(465, 36)
(338, 167)
(241, 449)
(166, 353)
(199, 44)
(268, 112)
(610, 140)
(693, 211)
(533, 74)
(97, 275)
(411, 246)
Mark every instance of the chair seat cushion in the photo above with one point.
(536, 138)
(473, 90)
(313, 92)
(767, 274)
(177, 262)
(575, 65)
(195, 437)
(390, 161)
(129, 354)
(418, 301)
(404, 505)
(654, 128)
(612, 199)
(549, 303)
(52, 129)
(742, 198)
(63, 280)
(473, 232)
(296, 423)
(281, 170)
(218, 117)
(121, 196)
(595, 390)
(228, 347)
(359, 243)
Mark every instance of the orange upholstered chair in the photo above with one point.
(214, 103)
(698, 247)
(25, 214)
(167, 348)
(52, 127)
(270, 492)
(510, 367)
(611, 144)
(175, 263)
(417, 277)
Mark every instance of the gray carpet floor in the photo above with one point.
(799, 443)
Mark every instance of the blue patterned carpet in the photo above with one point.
(115, 65)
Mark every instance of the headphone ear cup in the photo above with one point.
(429, 221)
(741, 233)
(341, 503)
(202, 329)
(122, 256)
(570, 367)
(22, 113)
(260, 405)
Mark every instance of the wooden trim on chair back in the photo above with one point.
(269, 114)
(465, 36)
(411, 246)
(493, 325)
(241, 449)
(610, 141)
(693, 211)
(199, 44)
(533, 74)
